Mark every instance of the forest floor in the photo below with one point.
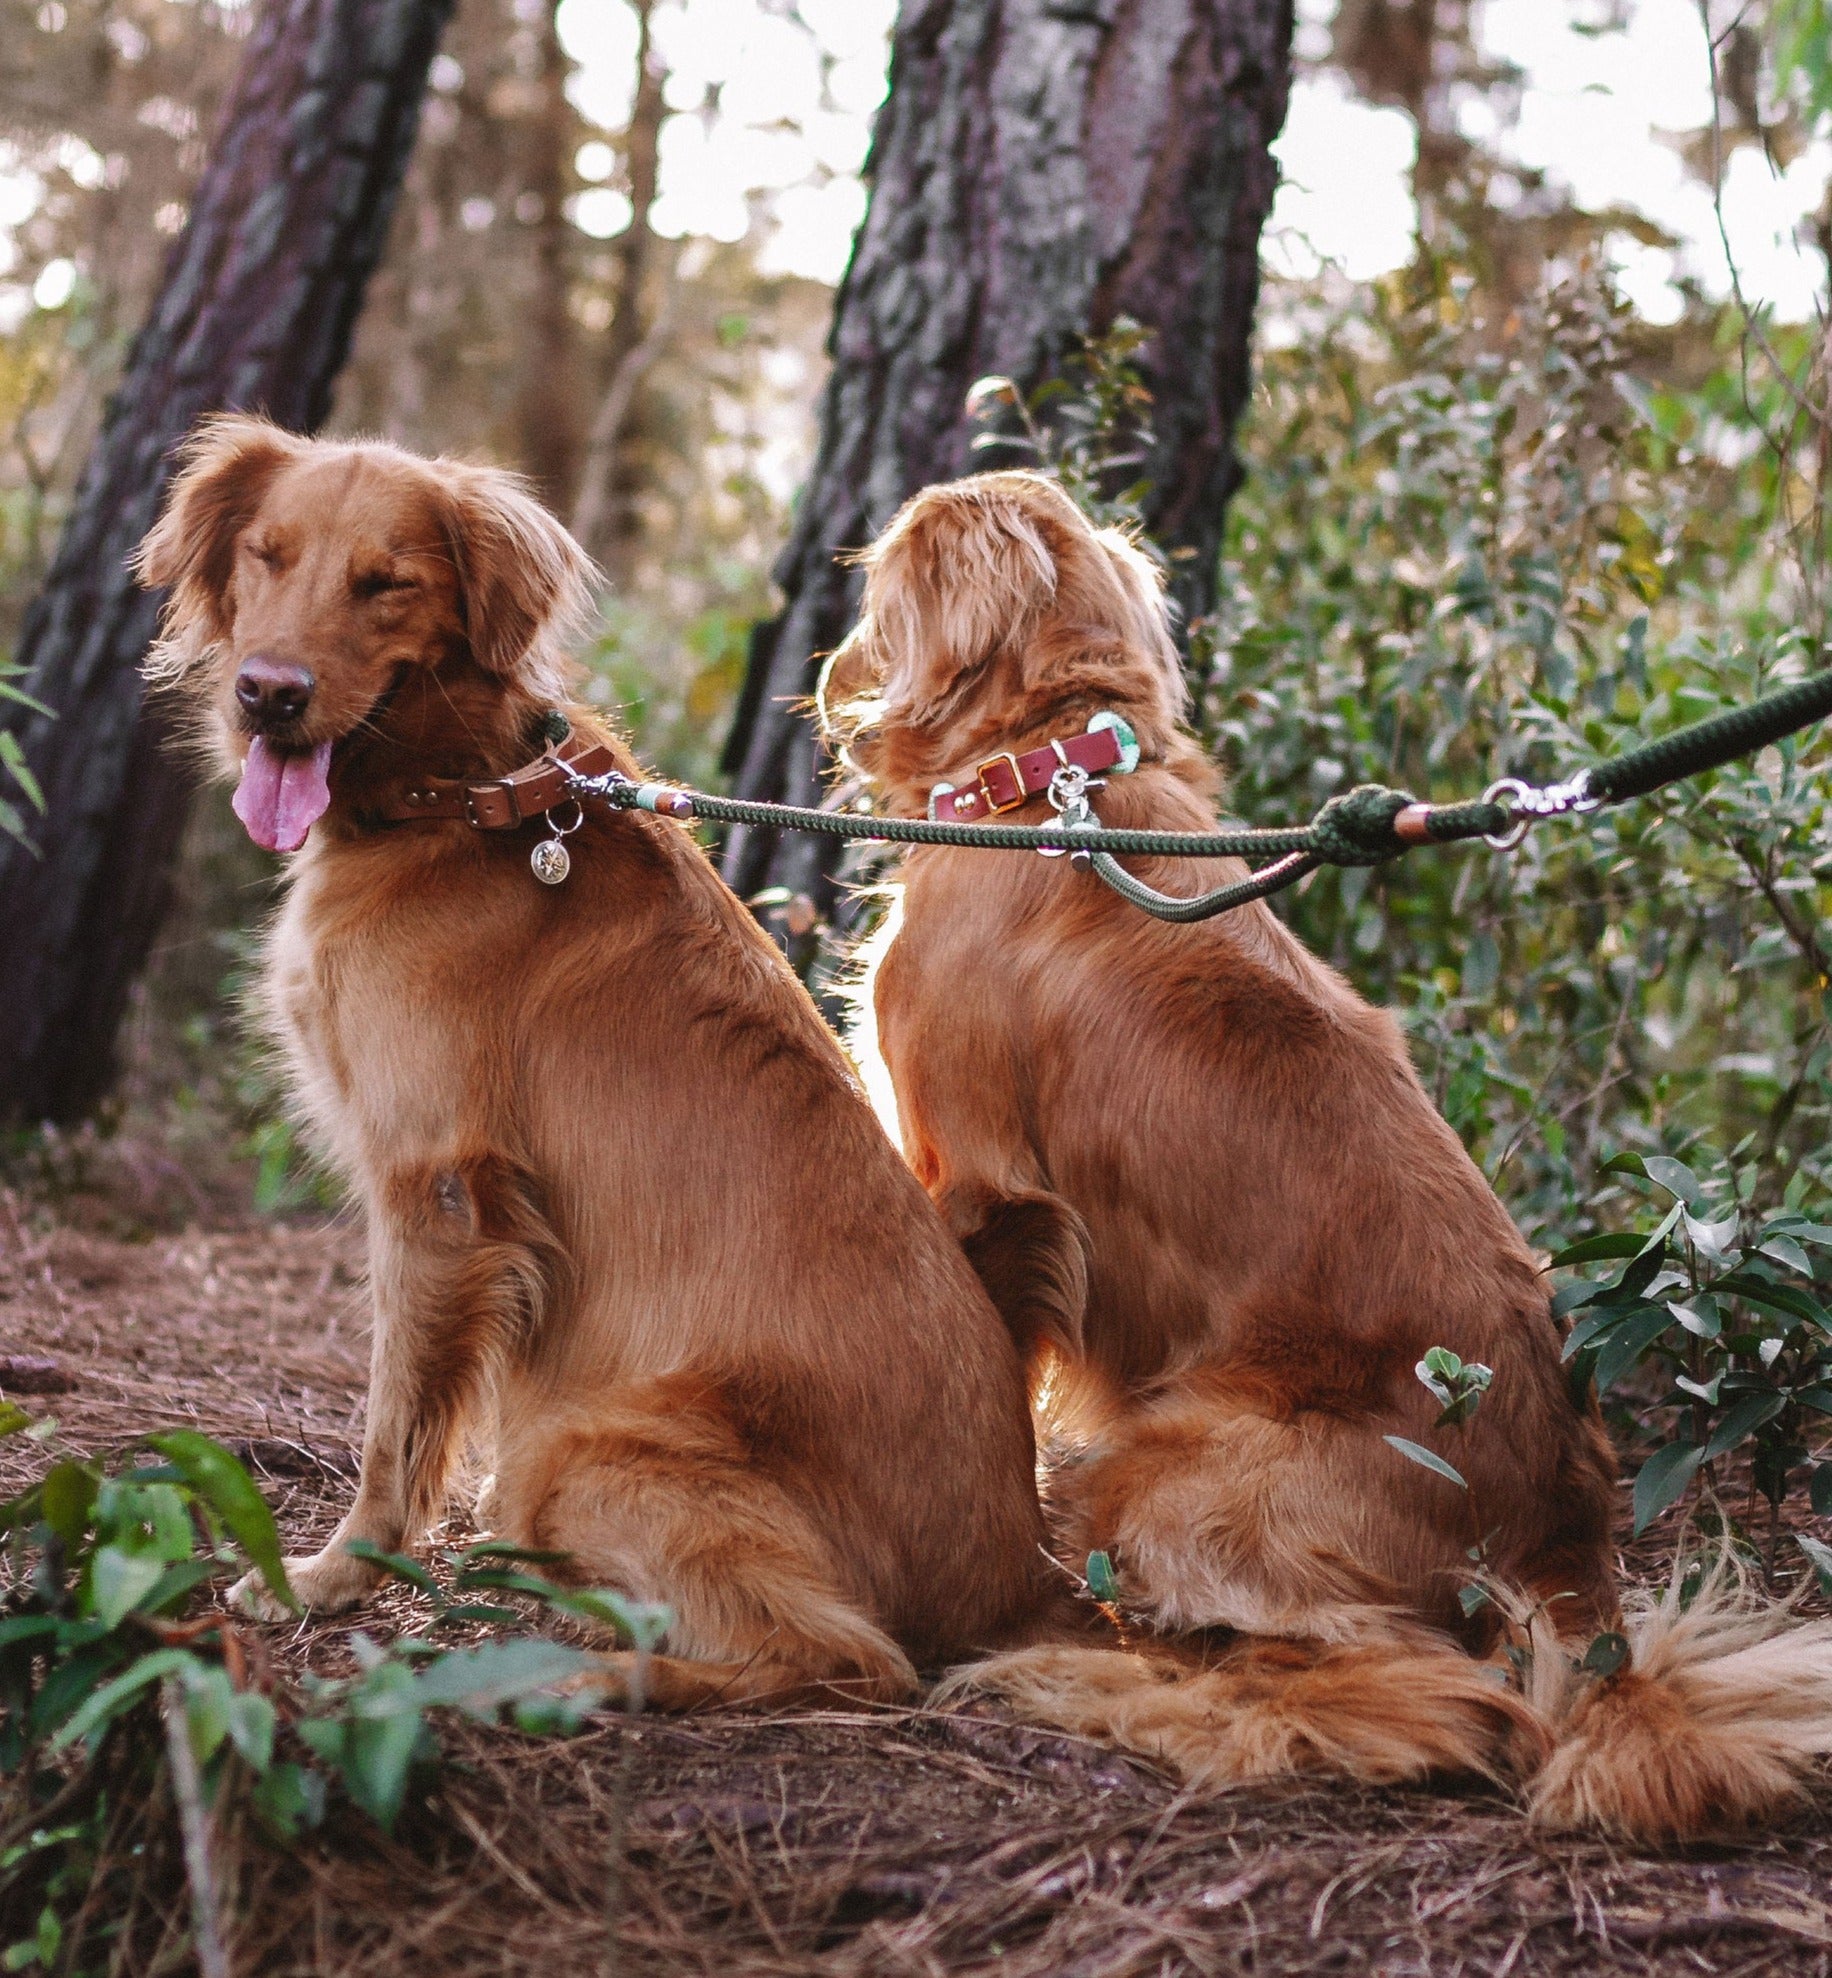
(890, 1842)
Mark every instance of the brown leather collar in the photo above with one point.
(530, 791)
(1003, 782)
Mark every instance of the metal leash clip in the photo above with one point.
(1068, 798)
(1528, 805)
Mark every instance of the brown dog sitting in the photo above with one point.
(628, 1210)
(1205, 1185)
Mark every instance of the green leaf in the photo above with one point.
(1742, 1419)
(288, 1799)
(1819, 1492)
(1102, 1582)
(1605, 1655)
(250, 1723)
(1625, 1346)
(396, 1563)
(1674, 1176)
(1426, 1458)
(479, 1681)
(119, 1580)
(69, 1493)
(107, 1703)
(1780, 1298)
(643, 1623)
(1593, 1248)
(1786, 1251)
(1574, 1297)
(13, 1418)
(1820, 1558)
(230, 1492)
(1663, 1480)
(208, 1699)
(14, 757)
(1472, 1599)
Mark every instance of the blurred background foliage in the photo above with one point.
(1494, 522)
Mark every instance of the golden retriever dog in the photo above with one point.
(630, 1216)
(1202, 1180)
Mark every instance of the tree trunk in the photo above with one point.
(256, 311)
(1040, 168)
(551, 392)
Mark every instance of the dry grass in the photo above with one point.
(866, 1845)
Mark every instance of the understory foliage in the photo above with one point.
(1472, 546)
(129, 1696)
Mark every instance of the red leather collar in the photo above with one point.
(1004, 782)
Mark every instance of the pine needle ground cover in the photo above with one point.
(822, 1842)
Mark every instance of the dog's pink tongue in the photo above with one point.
(280, 797)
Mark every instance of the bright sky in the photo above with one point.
(774, 115)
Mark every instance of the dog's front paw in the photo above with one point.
(327, 1583)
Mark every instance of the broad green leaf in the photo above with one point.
(107, 1703)
(1472, 1599)
(641, 1623)
(1819, 1556)
(480, 1680)
(119, 1581)
(1102, 1583)
(1428, 1459)
(1594, 1248)
(230, 1492)
(1819, 1494)
(1716, 1239)
(1742, 1419)
(1701, 1318)
(251, 1728)
(69, 1497)
(288, 1799)
(1786, 1251)
(1625, 1346)
(1663, 1480)
(396, 1563)
(1818, 1397)
(13, 1418)
(1574, 1297)
(208, 1698)
(1674, 1176)
(1706, 1391)
(1781, 1298)
(1605, 1655)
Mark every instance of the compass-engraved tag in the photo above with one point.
(551, 861)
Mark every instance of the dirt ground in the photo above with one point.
(896, 1842)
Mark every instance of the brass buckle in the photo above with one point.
(1017, 778)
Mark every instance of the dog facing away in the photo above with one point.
(628, 1212)
(1204, 1183)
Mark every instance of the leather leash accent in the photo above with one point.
(1004, 782)
(528, 792)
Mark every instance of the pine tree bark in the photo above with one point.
(1040, 168)
(256, 312)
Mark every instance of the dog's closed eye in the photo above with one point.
(378, 583)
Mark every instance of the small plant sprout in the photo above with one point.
(1457, 1385)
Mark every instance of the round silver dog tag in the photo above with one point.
(551, 861)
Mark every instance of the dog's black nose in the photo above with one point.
(273, 691)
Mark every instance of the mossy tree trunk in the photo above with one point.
(1040, 168)
(256, 312)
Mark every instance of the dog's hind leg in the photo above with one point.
(1237, 1520)
(462, 1265)
(660, 1499)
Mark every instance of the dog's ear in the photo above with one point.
(522, 579)
(224, 472)
(961, 574)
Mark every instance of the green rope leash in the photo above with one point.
(1365, 826)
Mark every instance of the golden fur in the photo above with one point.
(630, 1217)
(1202, 1180)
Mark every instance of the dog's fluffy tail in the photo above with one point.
(1403, 1705)
(1713, 1721)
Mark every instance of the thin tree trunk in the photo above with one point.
(256, 311)
(550, 371)
(1040, 168)
(603, 519)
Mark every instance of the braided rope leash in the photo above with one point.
(1365, 826)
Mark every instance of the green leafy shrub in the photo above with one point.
(109, 1652)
